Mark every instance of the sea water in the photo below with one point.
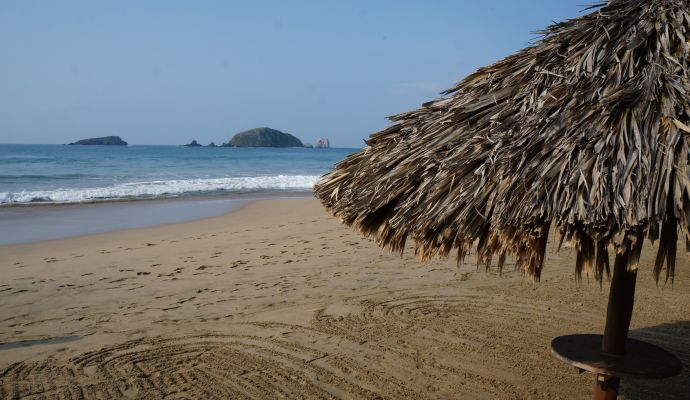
(40, 174)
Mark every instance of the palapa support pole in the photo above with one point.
(612, 354)
(618, 315)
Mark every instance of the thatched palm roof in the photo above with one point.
(586, 131)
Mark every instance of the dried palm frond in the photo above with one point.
(586, 132)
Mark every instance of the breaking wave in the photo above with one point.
(163, 188)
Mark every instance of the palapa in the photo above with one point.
(585, 131)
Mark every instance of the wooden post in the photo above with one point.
(606, 387)
(618, 315)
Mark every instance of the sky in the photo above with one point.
(167, 72)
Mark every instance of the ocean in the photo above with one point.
(57, 174)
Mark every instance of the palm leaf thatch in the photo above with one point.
(586, 131)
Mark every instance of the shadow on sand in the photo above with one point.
(674, 337)
(27, 343)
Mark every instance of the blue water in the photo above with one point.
(31, 174)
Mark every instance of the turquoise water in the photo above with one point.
(31, 174)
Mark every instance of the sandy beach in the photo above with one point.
(278, 300)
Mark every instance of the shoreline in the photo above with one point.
(25, 224)
(182, 197)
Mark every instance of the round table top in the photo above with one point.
(641, 359)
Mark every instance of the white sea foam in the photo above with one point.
(163, 189)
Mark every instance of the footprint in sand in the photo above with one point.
(182, 301)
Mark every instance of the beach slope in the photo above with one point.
(278, 299)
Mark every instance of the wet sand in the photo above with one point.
(278, 300)
(39, 222)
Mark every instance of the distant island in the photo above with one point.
(323, 143)
(194, 143)
(101, 141)
(263, 137)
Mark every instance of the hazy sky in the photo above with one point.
(166, 72)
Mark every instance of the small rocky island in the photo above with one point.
(263, 137)
(101, 141)
(323, 143)
(193, 143)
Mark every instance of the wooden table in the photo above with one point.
(641, 360)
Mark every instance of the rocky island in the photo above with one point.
(193, 143)
(323, 143)
(263, 137)
(101, 141)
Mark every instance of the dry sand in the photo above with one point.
(278, 300)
